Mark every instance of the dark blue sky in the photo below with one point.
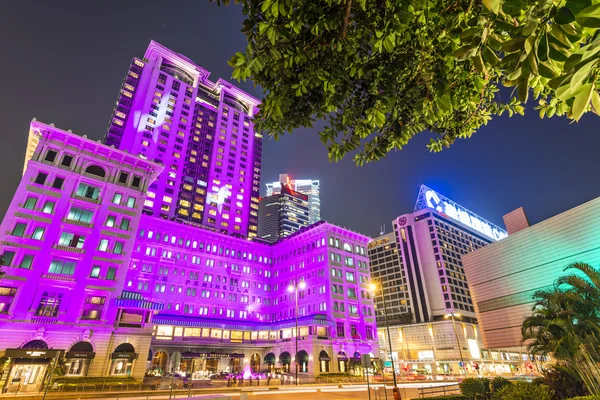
(63, 62)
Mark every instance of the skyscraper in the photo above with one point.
(309, 187)
(169, 112)
(282, 214)
(420, 265)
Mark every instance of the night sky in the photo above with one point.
(64, 61)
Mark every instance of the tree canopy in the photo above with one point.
(381, 71)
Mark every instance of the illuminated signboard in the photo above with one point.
(429, 198)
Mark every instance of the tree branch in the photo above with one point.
(346, 18)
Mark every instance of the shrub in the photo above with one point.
(523, 391)
(590, 397)
(449, 397)
(498, 383)
(564, 382)
(475, 388)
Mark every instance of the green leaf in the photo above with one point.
(523, 90)
(546, 70)
(560, 36)
(558, 53)
(589, 17)
(478, 62)
(582, 100)
(577, 6)
(543, 50)
(492, 5)
(528, 45)
(530, 27)
(564, 16)
(465, 52)
(582, 75)
(514, 75)
(596, 101)
(390, 42)
(490, 56)
(533, 64)
(513, 45)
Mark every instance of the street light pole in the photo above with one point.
(452, 315)
(294, 289)
(387, 327)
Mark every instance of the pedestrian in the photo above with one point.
(258, 380)
(250, 380)
(228, 380)
(269, 379)
(242, 380)
(234, 380)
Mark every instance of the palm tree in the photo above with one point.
(565, 322)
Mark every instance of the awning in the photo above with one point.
(123, 355)
(32, 353)
(81, 354)
(189, 354)
(135, 300)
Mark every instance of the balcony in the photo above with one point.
(44, 320)
(87, 199)
(59, 277)
(69, 249)
(77, 223)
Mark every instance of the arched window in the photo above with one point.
(324, 360)
(270, 360)
(302, 359)
(285, 359)
(95, 170)
(125, 348)
(82, 346)
(35, 344)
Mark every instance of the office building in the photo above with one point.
(418, 268)
(309, 187)
(168, 111)
(504, 275)
(97, 285)
(420, 265)
(282, 214)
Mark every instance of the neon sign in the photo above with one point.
(429, 198)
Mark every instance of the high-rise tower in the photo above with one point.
(309, 187)
(169, 112)
(282, 214)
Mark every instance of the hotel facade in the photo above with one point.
(121, 259)
(419, 269)
(93, 282)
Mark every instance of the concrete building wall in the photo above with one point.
(504, 275)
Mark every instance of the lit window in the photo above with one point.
(167, 199)
(148, 203)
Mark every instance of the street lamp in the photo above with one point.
(373, 287)
(294, 289)
(453, 315)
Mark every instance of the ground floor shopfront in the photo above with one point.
(202, 360)
(440, 349)
(29, 352)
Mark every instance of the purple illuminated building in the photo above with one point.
(97, 283)
(168, 111)
(67, 239)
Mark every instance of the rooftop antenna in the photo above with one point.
(382, 230)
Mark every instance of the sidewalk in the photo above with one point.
(412, 387)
